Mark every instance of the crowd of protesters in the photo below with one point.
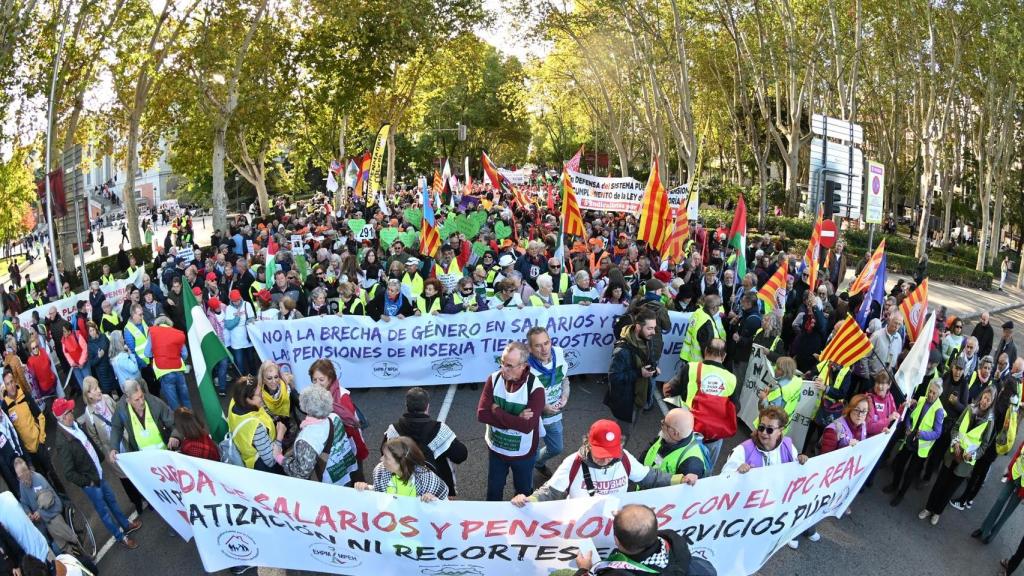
(121, 368)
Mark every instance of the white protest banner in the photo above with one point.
(915, 365)
(615, 194)
(187, 254)
(241, 516)
(115, 292)
(297, 246)
(516, 177)
(365, 233)
(447, 349)
(761, 377)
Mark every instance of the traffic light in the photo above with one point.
(833, 197)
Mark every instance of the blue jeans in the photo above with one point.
(497, 472)
(553, 443)
(174, 390)
(714, 449)
(241, 356)
(80, 374)
(103, 500)
(1004, 506)
(221, 370)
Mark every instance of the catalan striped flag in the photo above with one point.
(915, 309)
(867, 275)
(430, 240)
(849, 344)
(437, 187)
(813, 254)
(675, 245)
(572, 218)
(773, 293)
(654, 212)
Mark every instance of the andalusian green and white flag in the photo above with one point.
(205, 351)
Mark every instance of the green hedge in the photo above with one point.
(143, 256)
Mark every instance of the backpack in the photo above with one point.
(229, 453)
(588, 482)
(619, 323)
(714, 417)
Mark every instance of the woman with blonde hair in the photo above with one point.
(403, 471)
(96, 421)
(277, 389)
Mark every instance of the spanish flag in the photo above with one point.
(773, 293)
(849, 344)
(915, 308)
(654, 212)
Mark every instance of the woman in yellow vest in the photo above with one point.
(786, 393)
(971, 436)
(430, 301)
(922, 427)
(252, 428)
(403, 471)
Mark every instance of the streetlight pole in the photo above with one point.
(46, 170)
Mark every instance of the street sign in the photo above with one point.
(837, 129)
(875, 196)
(836, 167)
(829, 233)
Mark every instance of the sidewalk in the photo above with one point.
(967, 302)
(203, 229)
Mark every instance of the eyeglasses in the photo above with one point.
(667, 427)
(958, 327)
(766, 429)
(860, 411)
(555, 266)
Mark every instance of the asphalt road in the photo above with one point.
(873, 539)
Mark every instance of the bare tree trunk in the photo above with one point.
(131, 209)
(997, 223)
(219, 195)
(341, 193)
(391, 163)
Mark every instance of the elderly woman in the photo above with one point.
(971, 436)
(786, 393)
(403, 471)
(882, 410)
(583, 292)
(505, 296)
(277, 389)
(151, 307)
(96, 421)
(349, 304)
(390, 303)
(770, 335)
(124, 364)
(288, 311)
(429, 303)
(318, 305)
(322, 433)
(922, 425)
(848, 430)
(323, 374)
(544, 296)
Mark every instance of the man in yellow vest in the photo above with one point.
(142, 421)
(166, 347)
(544, 296)
(705, 324)
(412, 281)
(678, 449)
(1006, 503)
(710, 377)
(107, 277)
(447, 270)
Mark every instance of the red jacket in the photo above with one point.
(39, 366)
(75, 348)
(166, 343)
(200, 448)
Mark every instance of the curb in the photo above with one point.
(994, 311)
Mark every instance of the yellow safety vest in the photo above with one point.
(563, 283)
(924, 446)
(670, 463)
(141, 338)
(711, 379)
(970, 438)
(146, 437)
(1017, 470)
(691, 351)
(790, 394)
(415, 284)
(113, 318)
(537, 301)
(421, 305)
(107, 279)
(243, 431)
(450, 278)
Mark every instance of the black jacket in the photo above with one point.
(422, 428)
(11, 552)
(75, 460)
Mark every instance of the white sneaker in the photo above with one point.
(814, 537)
(935, 519)
(923, 514)
(794, 544)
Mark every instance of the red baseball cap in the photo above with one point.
(234, 295)
(605, 439)
(211, 276)
(264, 295)
(197, 291)
(62, 406)
(214, 303)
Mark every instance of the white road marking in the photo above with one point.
(447, 404)
(110, 543)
